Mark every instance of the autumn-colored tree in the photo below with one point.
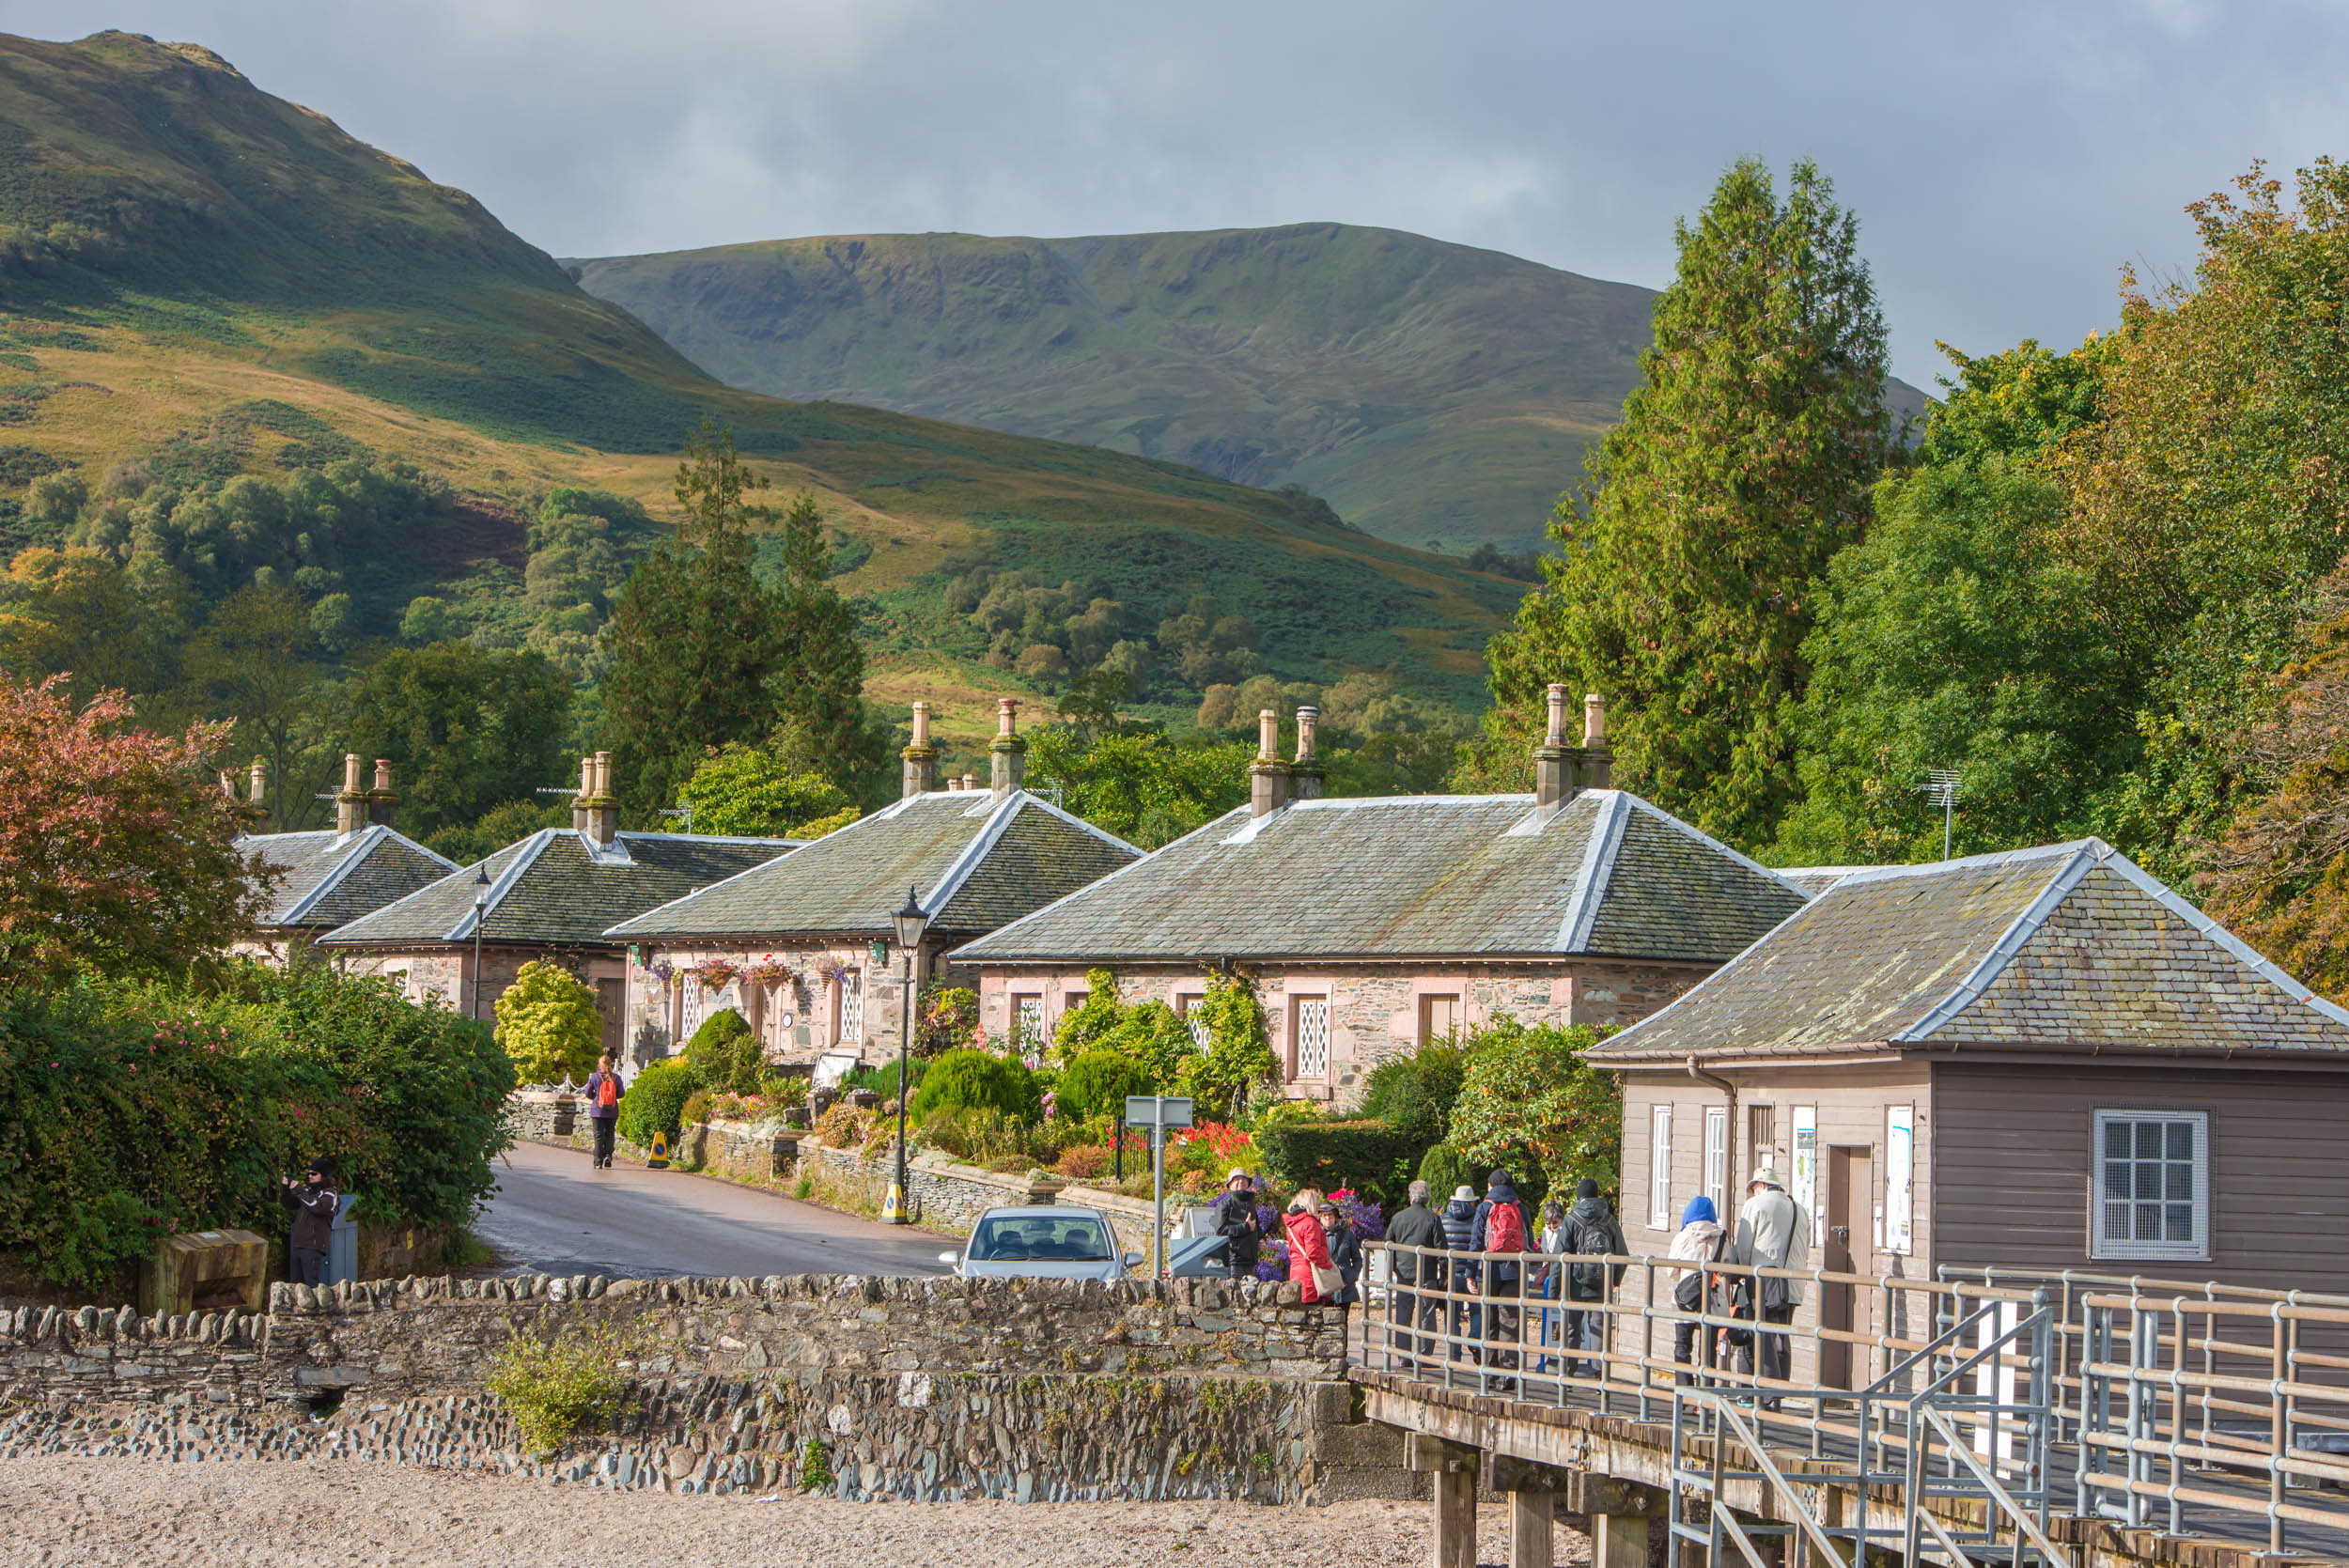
(2279, 875)
(2207, 502)
(116, 852)
(1685, 571)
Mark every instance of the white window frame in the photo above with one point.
(2101, 1242)
(1716, 1158)
(1659, 1168)
(1314, 1066)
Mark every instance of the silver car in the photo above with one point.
(1034, 1242)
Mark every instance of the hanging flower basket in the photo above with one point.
(662, 971)
(766, 974)
(835, 971)
(717, 974)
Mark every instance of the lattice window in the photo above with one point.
(1313, 1037)
(852, 1007)
(2152, 1184)
(1186, 1007)
(689, 1012)
(1027, 1027)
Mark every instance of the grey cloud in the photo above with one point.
(2005, 159)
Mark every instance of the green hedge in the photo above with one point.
(655, 1102)
(974, 1079)
(1097, 1082)
(724, 1054)
(1369, 1157)
(131, 1111)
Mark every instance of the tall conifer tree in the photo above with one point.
(1686, 569)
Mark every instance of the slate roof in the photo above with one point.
(977, 864)
(1414, 877)
(2070, 946)
(333, 879)
(555, 888)
(1817, 879)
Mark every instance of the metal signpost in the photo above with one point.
(1158, 1112)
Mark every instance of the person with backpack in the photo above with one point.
(604, 1090)
(1592, 1230)
(1499, 1229)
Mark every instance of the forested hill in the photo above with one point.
(213, 302)
(1427, 390)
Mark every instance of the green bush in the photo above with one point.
(547, 1023)
(1097, 1082)
(1414, 1094)
(1446, 1170)
(1369, 1157)
(570, 1384)
(882, 1080)
(128, 1111)
(982, 1135)
(972, 1079)
(656, 1101)
(725, 1055)
(1532, 1104)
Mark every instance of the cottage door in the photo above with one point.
(612, 1010)
(1850, 1190)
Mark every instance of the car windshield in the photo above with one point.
(1040, 1240)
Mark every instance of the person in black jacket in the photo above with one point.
(1593, 1231)
(1415, 1226)
(1345, 1256)
(315, 1203)
(1459, 1227)
(1235, 1221)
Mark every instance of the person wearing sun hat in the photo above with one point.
(1234, 1220)
(1773, 1232)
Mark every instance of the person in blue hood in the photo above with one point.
(1699, 1240)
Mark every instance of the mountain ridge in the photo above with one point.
(1428, 390)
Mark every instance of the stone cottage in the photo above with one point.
(328, 878)
(552, 895)
(802, 948)
(1373, 927)
(2041, 1060)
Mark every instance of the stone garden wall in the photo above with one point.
(398, 1340)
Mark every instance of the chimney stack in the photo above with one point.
(257, 784)
(351, 802)
(1305, 772)
(381, 803)
(1557, 771)
(1598, 762)
(603, 811)
(1267, 776)
(971, 783)
(921, 758)
(1008, 751)
(586, 792)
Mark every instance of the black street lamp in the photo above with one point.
(910, 922)
(480, 909)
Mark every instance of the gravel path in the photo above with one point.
(65, 1511)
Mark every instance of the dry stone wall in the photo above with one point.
(399, 1340)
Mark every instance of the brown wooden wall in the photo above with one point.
(2011, 1167)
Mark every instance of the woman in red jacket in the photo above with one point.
(1309, 1246)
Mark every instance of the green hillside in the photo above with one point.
(1428, 390)
(200, 282)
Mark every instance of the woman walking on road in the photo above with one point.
(604, 1090)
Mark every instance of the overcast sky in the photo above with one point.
(2004, 160)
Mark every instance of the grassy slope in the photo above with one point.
(181, 241)
(1428, 390)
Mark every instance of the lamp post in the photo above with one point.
(910, 922)
(480, 909)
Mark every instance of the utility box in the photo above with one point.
(204, 1272)
(342, 1243)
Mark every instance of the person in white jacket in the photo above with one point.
(1773, 1232)
(1698, 1241)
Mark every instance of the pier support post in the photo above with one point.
(1454, 1467)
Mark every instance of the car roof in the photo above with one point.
(1043, 1211)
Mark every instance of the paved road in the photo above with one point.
(555, 1213)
